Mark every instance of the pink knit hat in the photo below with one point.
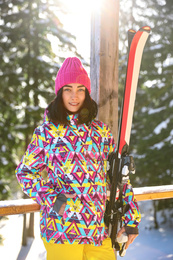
(72, 71)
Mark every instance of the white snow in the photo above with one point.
(4, 161)
(151, 244)
(168, 62)
(157, 146)
(170, 137)
(32, 108)
(156, 110)
(24, 126)
(11, 230)
(150, 83)
(3, 148)
(155, 47)
(16, 202)
(171, 103)
(162, 125)
(144, 109)
(153, 189)
(44, 58)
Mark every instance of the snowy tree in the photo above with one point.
(27, 73)
(152, 134)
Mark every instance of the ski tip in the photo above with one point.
(131, 31)
(146, 29)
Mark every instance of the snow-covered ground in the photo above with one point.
(151, 244)
(11, 230)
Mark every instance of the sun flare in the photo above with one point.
(83, 7)
(77, 21)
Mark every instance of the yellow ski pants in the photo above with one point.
(80, 252)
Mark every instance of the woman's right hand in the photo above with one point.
(62, 209)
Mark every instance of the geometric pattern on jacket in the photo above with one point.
(75, 157)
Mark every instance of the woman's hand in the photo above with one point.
(131, 237)
(62, 209)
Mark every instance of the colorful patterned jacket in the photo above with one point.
(75, 157)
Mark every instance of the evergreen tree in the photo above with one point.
(27, 72)
(152, 135)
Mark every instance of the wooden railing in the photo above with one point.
(12, 207)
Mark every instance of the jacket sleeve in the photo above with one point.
(29, 170)
(112, 145)
(112, 149)
(132, 216)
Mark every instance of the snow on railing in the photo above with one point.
(12, 207)
(154, 192)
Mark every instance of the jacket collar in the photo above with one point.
(72, 119)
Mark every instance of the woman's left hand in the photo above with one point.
(131, 237)
(62, 209)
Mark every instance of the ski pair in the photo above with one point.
(120, 163)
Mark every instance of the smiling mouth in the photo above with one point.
(74, 104)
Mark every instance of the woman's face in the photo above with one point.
(73, 96)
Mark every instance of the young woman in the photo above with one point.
(73, 147)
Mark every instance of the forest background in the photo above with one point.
(35, 39)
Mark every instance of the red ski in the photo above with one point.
(133, 67)
(117, 160)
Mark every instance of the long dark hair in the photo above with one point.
(57, 113)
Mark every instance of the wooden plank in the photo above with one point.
(22, 206)
(104, 62)
(154, 192)
(154, 196)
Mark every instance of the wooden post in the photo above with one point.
(31, 225)
(24, 233)
(104, 62)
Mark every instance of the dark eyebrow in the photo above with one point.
(81, 86)
(67, 86)
(77, 86)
